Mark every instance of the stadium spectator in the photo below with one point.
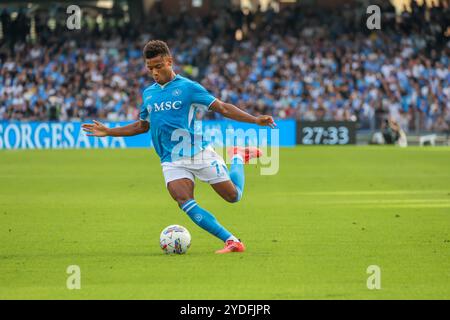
(299, 63)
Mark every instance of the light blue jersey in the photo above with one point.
(171, 110)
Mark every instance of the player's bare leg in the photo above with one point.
(231, 191)
(181, 190)
(227, 190)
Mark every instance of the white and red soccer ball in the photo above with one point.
(175, 239)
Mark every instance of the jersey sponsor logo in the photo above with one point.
(167, 105)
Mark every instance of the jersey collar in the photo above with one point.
(167, 83)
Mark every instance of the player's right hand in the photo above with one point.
(97, 129)
(266, 121)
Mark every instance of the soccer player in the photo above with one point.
(169, 110)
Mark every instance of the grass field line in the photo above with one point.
(375, 192)
(392, 203)
(388, 201)
(414, 206)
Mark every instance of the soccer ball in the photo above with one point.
(175, 239)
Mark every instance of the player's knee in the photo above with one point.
(232, 196)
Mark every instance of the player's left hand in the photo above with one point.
(266, 121)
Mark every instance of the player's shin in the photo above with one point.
(205, 220)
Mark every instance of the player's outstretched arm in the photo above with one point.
(98, 129)
(232, 112)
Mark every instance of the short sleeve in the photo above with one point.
(144, 114)
(201, 97)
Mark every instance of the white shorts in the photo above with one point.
(207, 166)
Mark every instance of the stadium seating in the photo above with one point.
(298, 63)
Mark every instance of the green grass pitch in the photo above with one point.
(311, 231)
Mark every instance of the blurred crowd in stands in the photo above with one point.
(300, 63)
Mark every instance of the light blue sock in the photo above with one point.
(237, 175)
(205, 220)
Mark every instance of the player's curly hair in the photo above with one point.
(155, 48)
